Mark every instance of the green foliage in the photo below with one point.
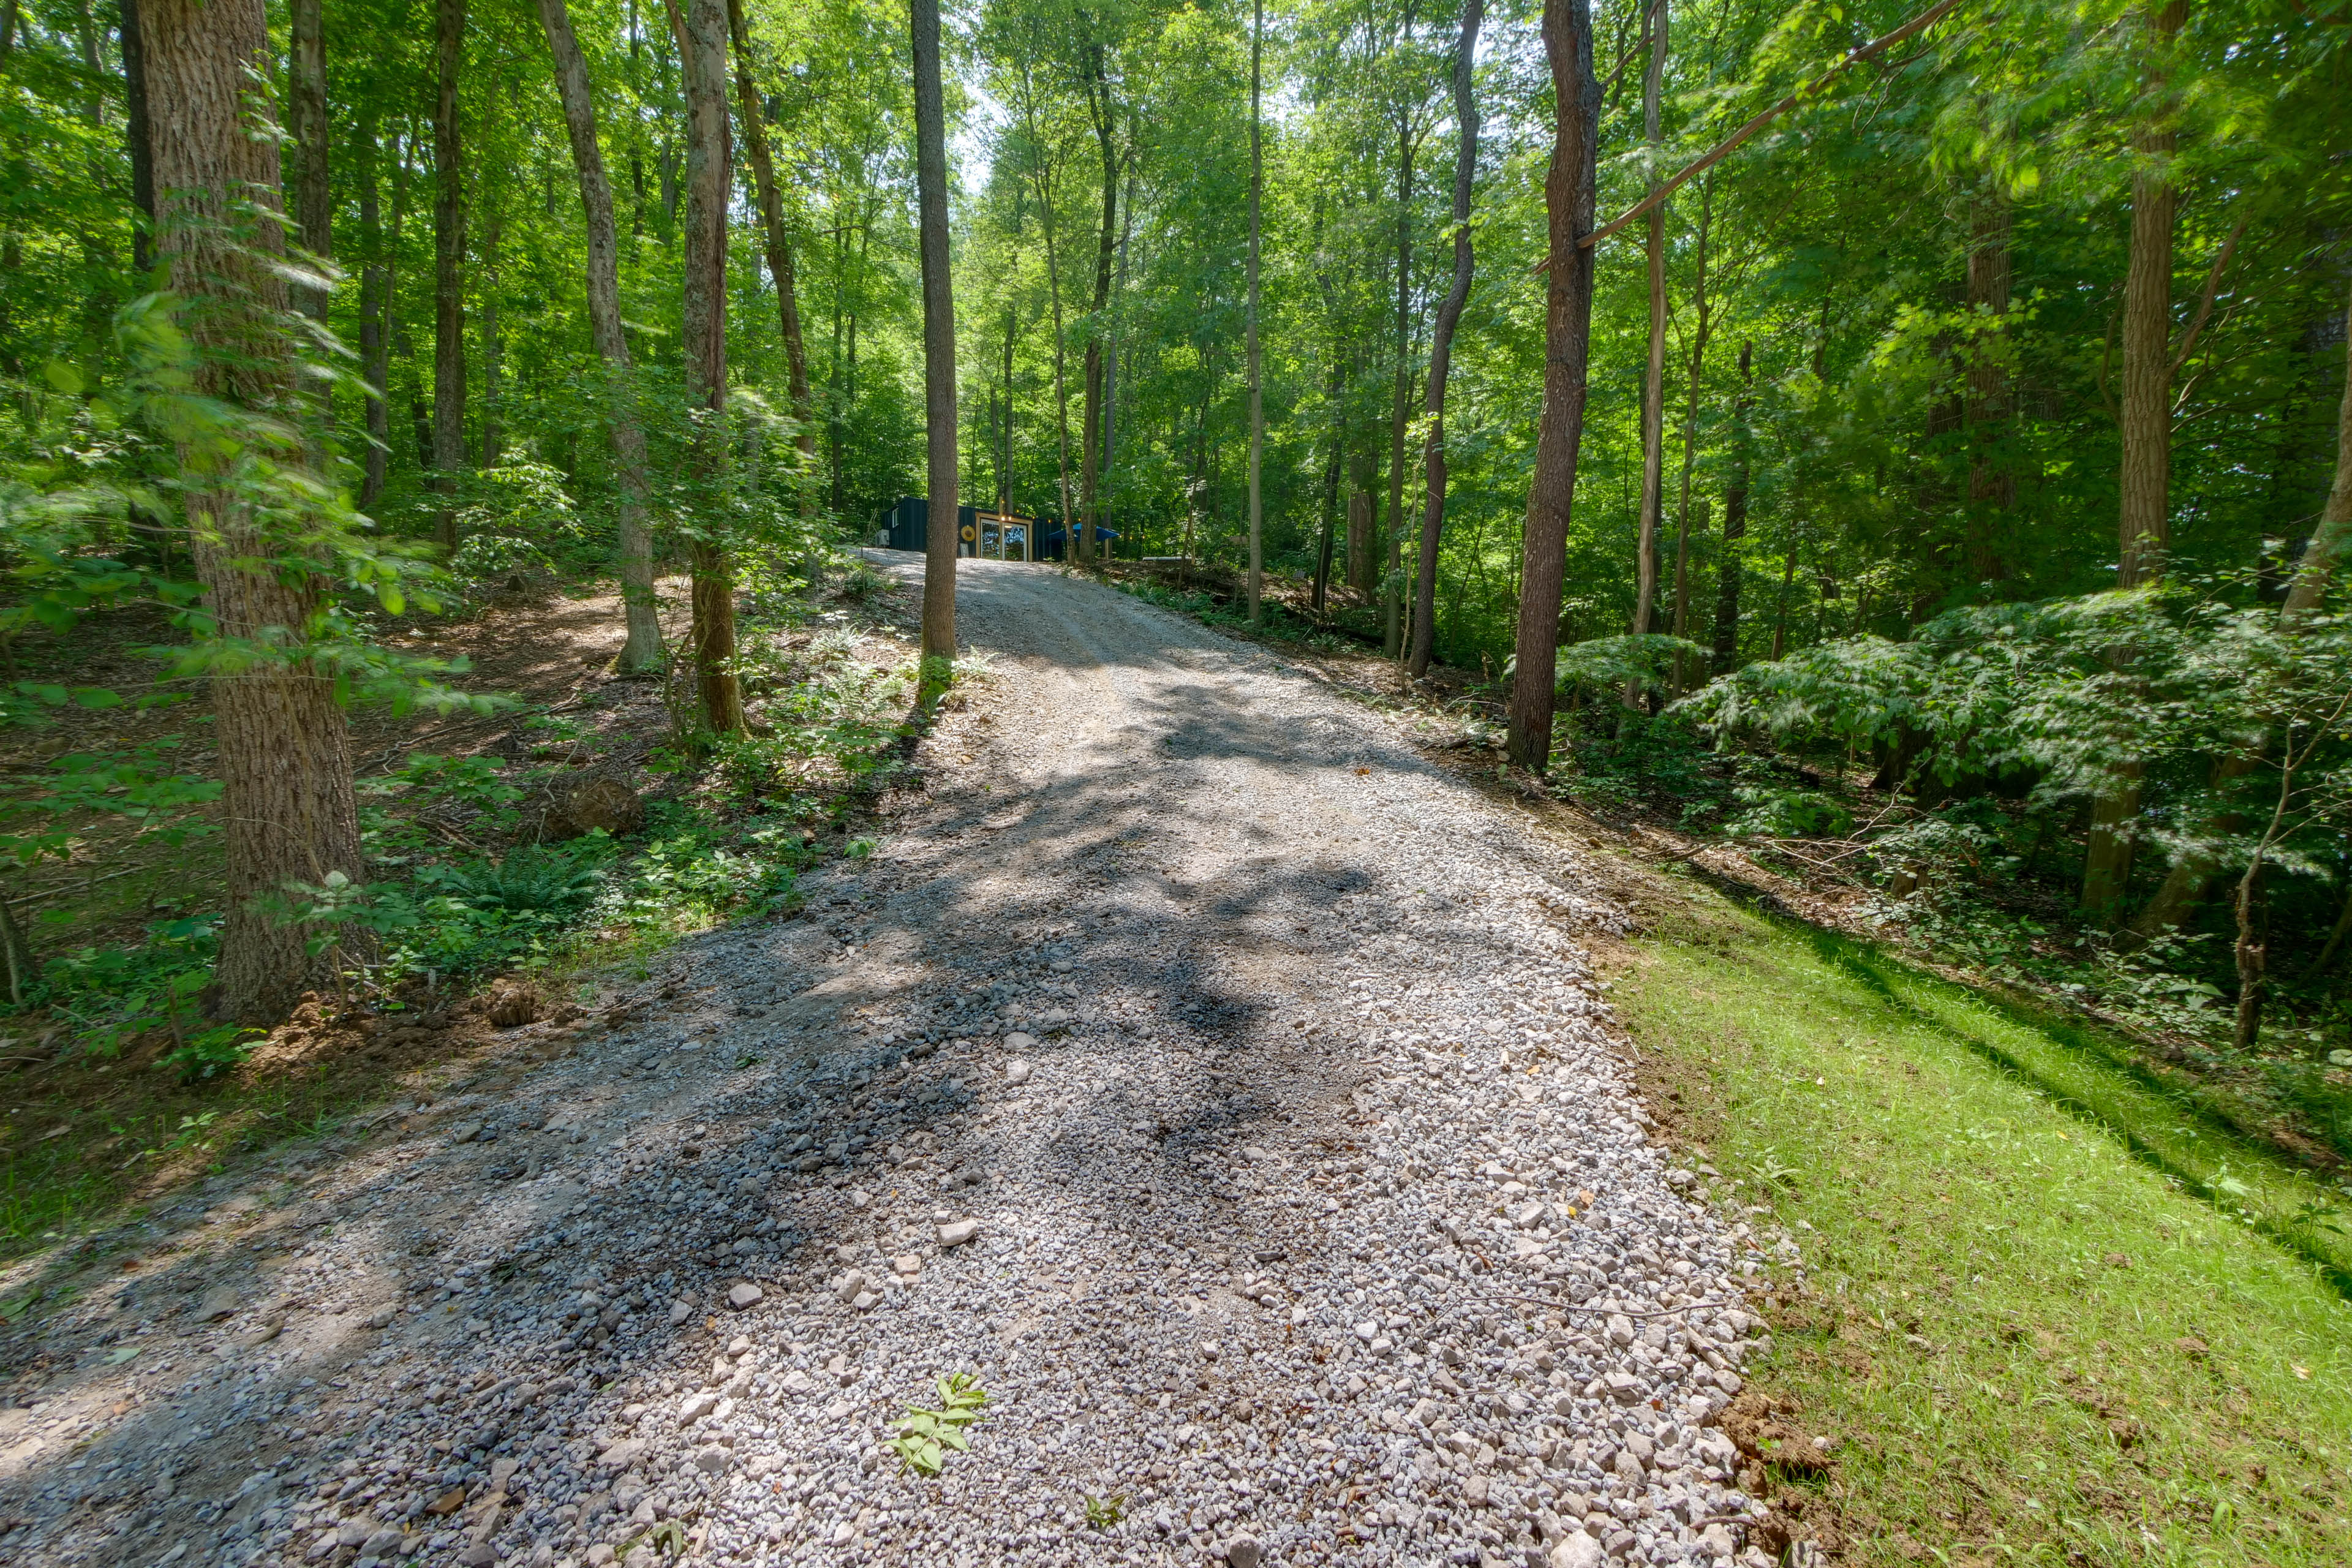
(1769, 812)
(210, 1051)
(1104, 1513)
(927, 1437)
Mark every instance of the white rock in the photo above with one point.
(955, 1232)
(1577, 1549)
(1017, 1071)
(745, 1295)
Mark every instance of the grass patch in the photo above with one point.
(2049, 1313)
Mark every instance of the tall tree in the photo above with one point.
(702, 53)
(751, 109)
(1441, 341)
(642, 646)
(2144, 482)
(1654, 380)
(448, 269)
(1256, 385)
(1101, 108)
(939, 346)
(288, 813)
(1568, 200)
(1703, 307)
(314, 205)
(1409, 134)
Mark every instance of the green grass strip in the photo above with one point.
(2040, 1318)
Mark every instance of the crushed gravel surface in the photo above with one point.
(1193, 1063)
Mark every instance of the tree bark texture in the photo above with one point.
(1331, 481)
(285, 753)
(702, 46)
(752, 111)
(448, 270)
(642, 649)
(939, 343)
(1441, 342)
(1568, 193)
(2144, 482)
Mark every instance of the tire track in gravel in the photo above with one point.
(1193, 1061)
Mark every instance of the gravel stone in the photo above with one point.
(1327, 1224)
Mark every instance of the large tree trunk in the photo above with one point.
(753, 113)
(1441, 343)
(702, 49)
(449, 271)
(2144, 512)
(1729, 570)
(1568, 191)
(642, 649)
(1257, 390)
(284, 753)
(939, 348)
(1653, 381)
(307, 120)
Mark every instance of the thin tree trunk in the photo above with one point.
(642, 650)
(449, 272)
(1781, 616)
(702, 53)
(1441, 342)
(1731, 567)
(289, 811)
(307, 120)
(1098, 104)
(2144, 511)
(753, 113)
(494, 434)
(1256, 391)
(1042, 175)
(1392, 543)
(939, 348)
(1683, 528)
(1004, 463)
(375, 414)
(1331, 481)
(1654, 381)
(138, 132)
(1568, 189)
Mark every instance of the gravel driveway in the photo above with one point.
(1193, 1064)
